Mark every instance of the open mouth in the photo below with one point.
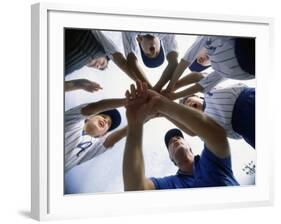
(101, 123)
(194, 105)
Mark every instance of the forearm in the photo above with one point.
(190, 78)
(181, 126)
(121, 62)
(135, 69)
(166, 76)
(70, 85)
(177, 73)
(102, 105)
(115, 137)
(133, 162)
(198, 122)
(188, 91)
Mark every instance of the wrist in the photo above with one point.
(134, 123)
(162, 104)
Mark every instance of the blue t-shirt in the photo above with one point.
(208, 171)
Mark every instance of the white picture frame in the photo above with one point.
(48, 201)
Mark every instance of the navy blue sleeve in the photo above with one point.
(168, 182)
(215, 162)
(172, 182)
(215, 170)
(162, 183)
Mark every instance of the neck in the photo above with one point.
(186, 165)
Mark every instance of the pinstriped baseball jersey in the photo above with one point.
(219, 106)
(82, 46)
(109, 46)
(221, 51)
(168, 41)
(79, 147)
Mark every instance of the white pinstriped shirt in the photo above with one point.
(79, 147)
(168, 41)
(108, 45)
(221, 51)
(220, 104)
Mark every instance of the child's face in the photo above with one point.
(98, 63)
(203, 58)
(150, 45)
(97, 125)
(194, 102)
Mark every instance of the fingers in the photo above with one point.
(92, 88)
(96, 86)
(139, 90)
(127, 95)
(137, 93)
(144, 88)
(133, 91)
(139, 87)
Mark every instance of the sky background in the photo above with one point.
(104, 172)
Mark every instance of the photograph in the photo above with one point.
(157, 111)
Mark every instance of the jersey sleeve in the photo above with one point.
(74, 115)
(210, 81)
(162, 183)
(216, 170)
(108, 45)
(172, 182)
(169, 43)
(130, 43)
(192, 52)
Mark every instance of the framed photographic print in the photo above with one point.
(148, 111)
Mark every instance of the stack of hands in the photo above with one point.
(142, 103)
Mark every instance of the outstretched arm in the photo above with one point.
(187, 92)
(135, 69)
(133, 162)
(181, 126)
(115, 137)
(172, 59)
(176, 75)
(121, 62)
(84, 84)
(102, 105)
(195, 88)
(188, 58)
(130, 50)
(189, 79)
(198, 122)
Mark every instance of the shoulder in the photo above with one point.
(209, 160)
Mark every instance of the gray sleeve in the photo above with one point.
(191, 53)
(169, 43)
(210, 81)
(108, 45)
(74, 115)
(130, 43)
